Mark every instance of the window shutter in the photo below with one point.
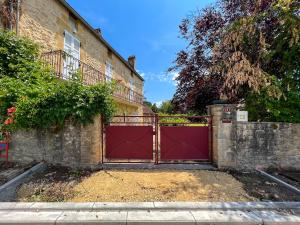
(72, 45)
(108, 70)
(76, 48)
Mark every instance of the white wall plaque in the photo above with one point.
(242, 116)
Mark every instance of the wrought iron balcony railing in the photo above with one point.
(65, 66)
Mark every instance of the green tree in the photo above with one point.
(154, 108)
(243, 51)
(166, 107)
(259, 56)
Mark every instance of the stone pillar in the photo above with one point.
(215, 111)
(222, 135)
(91, 143)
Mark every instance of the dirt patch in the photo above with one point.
(124, 186)
(7, 165)
(53, 185)
(260, 188)
(63, 184)
(127, 186)
(9, 170)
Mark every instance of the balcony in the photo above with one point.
(65, 65)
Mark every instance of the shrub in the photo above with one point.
(18, 58)
(42, 100)
(177, 119)
(187, 120)
(52, 104)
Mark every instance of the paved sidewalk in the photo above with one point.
(157, 213)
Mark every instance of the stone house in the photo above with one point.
(69, 43)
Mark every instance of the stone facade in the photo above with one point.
(250, 145)
(45, 22)
(73, 145)
(1, 23)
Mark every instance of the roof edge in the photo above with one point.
(72, 10)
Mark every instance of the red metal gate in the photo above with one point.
(184, 143)
(128, 139)
(129, 142)
(157, 139)
(184, 138)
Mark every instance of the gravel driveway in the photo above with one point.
(119, 186)
(63, 184)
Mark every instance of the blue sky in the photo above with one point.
(147, 29)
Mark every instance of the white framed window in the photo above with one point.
(72, 45)
(71, 60)
(108, 71)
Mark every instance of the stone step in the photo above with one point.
(163, 166)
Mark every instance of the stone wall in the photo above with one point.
(249, 145)
(236, 145)
(74, 145)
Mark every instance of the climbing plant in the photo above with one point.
(40, 99)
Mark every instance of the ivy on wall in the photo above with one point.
(41, 100)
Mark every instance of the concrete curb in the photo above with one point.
(154, 213)
(8, 190)
(178, 206)
(280, 182)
